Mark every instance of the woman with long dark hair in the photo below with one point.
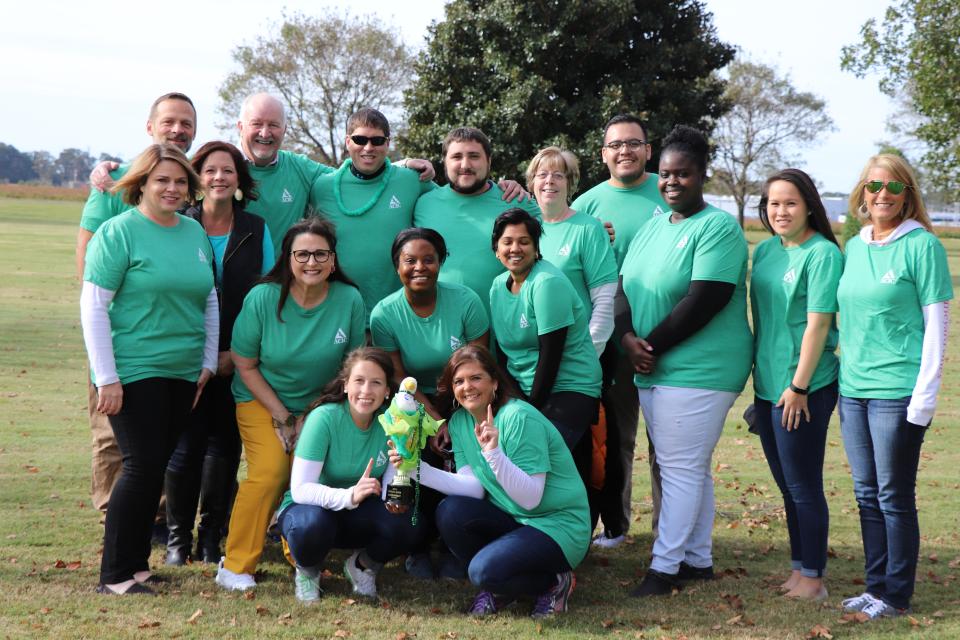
(288, 342)
(793, 294)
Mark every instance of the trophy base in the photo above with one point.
(399, 498)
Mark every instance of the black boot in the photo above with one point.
(182, 493)
(217, 486)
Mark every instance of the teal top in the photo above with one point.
(580, 247)
(101, 206)
(219, 245)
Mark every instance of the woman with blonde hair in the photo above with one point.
(894, 316)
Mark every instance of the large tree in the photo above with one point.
(768, 120)
(915, 47)
(15, 166)
(533, 73)
(323, 69)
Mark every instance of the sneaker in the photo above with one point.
(858, 603)
(234, 581)
(605, 541)
(555, 599)
(419, 566)
(364, 581)
(486, 603)
(880, 609)
(306, 587)
(656, 584)
(689, 572)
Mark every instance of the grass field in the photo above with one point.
(50, 537)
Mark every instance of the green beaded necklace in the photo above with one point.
(362, 209)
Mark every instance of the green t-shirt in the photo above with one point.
(580, 247)
(881, 297)
(162, 277)
(332, 437)
(303, 353)
(425, 344)
(283, 190)
(786, 284)
(628, 209)
(532, 443)
(466, 224)
(364, 241)
(662, 261)
(100, 207)
(546, 302)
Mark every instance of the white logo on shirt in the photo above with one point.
(683, 242)
(658, 211)
(381, 459)
(523, 321)
(455, 343)
(790, 276)
(286, 197)
(395, 202)
(341, 337)
(203, 258)
(889, 277)
(564, 250)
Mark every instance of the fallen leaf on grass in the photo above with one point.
(403, 635)
(734, 619)
(337, 622)
(59, 564)
(48, 610)
(913, 621)
(606, 624)
(856, 617)
(733, 599)
(341, 633)
(196, 614)
(436, 611)
(31, 469)
(73, 566)
(937, 614)
(349, 601)
(451, 634)
(933, 558)
(717, 627)
(262, 610)
(249, 594)
(148, 624)
(820, 631)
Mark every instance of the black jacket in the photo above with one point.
(242, 262)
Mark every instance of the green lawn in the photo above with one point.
(50, 537)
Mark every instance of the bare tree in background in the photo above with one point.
(324, 69)
(768, 121)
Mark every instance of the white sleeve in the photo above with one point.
(923, 402)
(601, 320)
(211, 324)
(524, 489)
(304, 488)
(94, 302)
(461, 483)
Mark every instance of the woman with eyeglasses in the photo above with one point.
(894, 316)
(288, 342)
(793, 295)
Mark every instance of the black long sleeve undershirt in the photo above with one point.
(548, 366)
(704, 300)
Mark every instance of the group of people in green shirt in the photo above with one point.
(521, 344)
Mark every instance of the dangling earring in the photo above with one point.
(863, 211)
(238, 195)
(455, 404)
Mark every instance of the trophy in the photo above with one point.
(408, 425)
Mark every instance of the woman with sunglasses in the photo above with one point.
(894, 316)
(288, 342)
(793, 295)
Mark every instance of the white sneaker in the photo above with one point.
(858, 603)
(604, 541)
(234, 581)
(307, 588)
(880, 609)
(364, 581)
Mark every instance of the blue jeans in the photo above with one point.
(503, 556)
(311, 531)
(796, 462)
(884, 451)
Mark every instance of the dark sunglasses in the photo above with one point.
(377, 141)
(893, 187)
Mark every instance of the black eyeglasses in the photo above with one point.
(320, 255)
(377, 141)
(632, 144)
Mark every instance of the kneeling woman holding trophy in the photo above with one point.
(334, 498)
(516, 511)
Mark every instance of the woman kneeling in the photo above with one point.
(334, 497)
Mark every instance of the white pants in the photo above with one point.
(685, 425)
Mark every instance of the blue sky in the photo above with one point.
(90, 87)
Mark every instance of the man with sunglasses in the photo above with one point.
(628, 199)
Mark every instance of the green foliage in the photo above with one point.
(767, 121)
(15, 166)
(851, 227)
(323, 69)
(915, 48)
(530, 74)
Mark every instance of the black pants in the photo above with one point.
(154, 412)
(572, 414)
(213, 430)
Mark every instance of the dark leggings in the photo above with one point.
(312, 531)
(572, 414)
(503, 556)
(153, 413)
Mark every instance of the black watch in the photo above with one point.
(798, 390)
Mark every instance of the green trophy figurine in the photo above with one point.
(408, 426)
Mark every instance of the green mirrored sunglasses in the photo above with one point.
(894, 187)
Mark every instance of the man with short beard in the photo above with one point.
(628, 199)
(463, 212)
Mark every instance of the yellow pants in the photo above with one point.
(268, 475)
